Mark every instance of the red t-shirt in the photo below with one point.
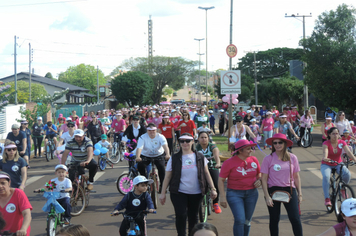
(334, 156)
(240, 174)
(118, 125)
(12, 212)
(347, 140)
(175, 121)
(166, 129)
(293, 115)
(187, 129)
(242, 113)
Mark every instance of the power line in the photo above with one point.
(82, 53)
(40, 3)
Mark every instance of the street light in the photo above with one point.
(200, 54)
(206, 49)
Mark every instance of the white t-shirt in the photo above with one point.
(66, 137)
(151, 147)
(189, 182)
(66, 183)
(105, 144)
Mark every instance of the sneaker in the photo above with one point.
(327, 202)
(217, 209)
(90, 185)
(344, 194)
(66, 221)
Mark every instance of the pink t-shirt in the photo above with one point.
(240, 174)
(279, 171)
(149, 120)
(175, 121)
(276, 113)
(157, 120)
(306, 121)
(12, 212)
(268, 124)
(242, 113)
(334, 156)
(189, 182)
(254, 129)
(118, 125)
(353, 129)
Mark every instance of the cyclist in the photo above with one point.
(51, 133)
(332, 150)
(133, 131)
(325, 127)
(293, 115)
(211, 152)
(306, 121)
(82, 151)
(134, 202)
(20, 140)
(331, 113)
(283, 126)
(152, 145)
(119, 127)
(64, 127)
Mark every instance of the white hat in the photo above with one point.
(136, 106)
(39, 118)
(69, 118)
(222, 110)
(141, 179)
(351, 122)
(61, 166)
(173, 110)
(248, 111)
(252, 120)
(348, 207)
(79, 132)
(283, 116)
(211, 112)
(269, 113)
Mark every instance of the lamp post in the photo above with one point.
(206, 49)
(200, 54)
(306, 102)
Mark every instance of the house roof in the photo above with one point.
(45, 80)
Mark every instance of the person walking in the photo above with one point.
(37, 136)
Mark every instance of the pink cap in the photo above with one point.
(151, 128)
(11, 146)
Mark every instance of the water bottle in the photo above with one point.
(138, 230)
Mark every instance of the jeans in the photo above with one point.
(65, 203)
(292, 208)
(242, 204)
(326, 172)
(158, 161)
(37, 141)
(93, 168)
(186, 206)
(267, 134)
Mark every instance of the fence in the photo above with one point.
(8, 118)
(66, 110)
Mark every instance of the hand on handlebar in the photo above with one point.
(84, 163)
(138, 159)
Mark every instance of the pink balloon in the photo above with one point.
(225, 99)
(234, 96)
(235, 101)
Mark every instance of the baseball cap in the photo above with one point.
(222, 110)
(60, 166)
(252, 120)
(348, 207)
(15, 126)
(24, 122)
(69, 119)
(78, 132)
(39, 118)
(211, 112)
(141, 179)
(346, 131)
(135, 118)
(103, 136)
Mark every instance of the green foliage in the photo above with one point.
(49, 75)
(331, 58)
(193, 77)
(84, 76)
(133, 88)
(163, 99)
(120, 106)
(168, 91)
(5, 95)
(40, 109)
(23, 94)
(164, 71)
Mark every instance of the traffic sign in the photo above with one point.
(230, 82)
(231, 50)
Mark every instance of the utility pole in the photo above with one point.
(200, 54)
(29, 71)
(306, 102)
(15, 69)
(256, 94)
(230, 65)
(97, 82)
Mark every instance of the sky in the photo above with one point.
(104, 33)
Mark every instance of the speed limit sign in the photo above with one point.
(231, 50)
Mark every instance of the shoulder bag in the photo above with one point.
(284, 196)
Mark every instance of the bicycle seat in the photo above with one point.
(333, 171)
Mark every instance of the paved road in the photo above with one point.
(97, 216)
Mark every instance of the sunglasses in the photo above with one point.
(93, 117)
(275, 143)
(185, 115)
(342, 115)
(70, 126)
(184, 140)
(239, 121)
(12, 149)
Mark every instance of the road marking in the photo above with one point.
(98, 175)
(33, 179)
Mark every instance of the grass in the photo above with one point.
(221, 143)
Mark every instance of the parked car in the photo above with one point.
(174, 94)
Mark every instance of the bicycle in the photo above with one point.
(117, 150)
(307, 139)
(134, 229)
(54, 218)
(103, 160)
(7, 233)
(339, 190)
(153, 189)
(124, 182)
(296, 131)
(80, 196)
(50, 149)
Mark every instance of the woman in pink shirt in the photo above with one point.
(325, 127)
(280, 171)
(267, 128)
(242, 172)
(306, 122)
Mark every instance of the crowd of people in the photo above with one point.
(188, 173)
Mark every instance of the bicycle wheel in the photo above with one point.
(48, 150)
(330, 209)
(77, 200)
(203, 210)
(52, 150)
(124, 183)
(102, 163)
(114, 158)
(306, 140)
(154, 192)
(342, 194)
(210, 205)
(51, 226)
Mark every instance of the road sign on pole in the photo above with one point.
(230, 82)
(231, 50)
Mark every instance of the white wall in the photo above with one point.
(11, 114)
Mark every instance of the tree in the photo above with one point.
(193, 77)
(84, 76)
(40, 109)
(5, 94)
(133, 88)
(170, 71)
(23, 94)
(331, 58)
(49, 75)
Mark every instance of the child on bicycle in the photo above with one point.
(63, 183)
(104, 143)
(135, 202)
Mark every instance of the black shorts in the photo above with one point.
(50, 136)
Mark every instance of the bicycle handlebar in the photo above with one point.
(350, 163)
(140, 212)
(43, 190)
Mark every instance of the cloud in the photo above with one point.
(158, 8)
(75, 21)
